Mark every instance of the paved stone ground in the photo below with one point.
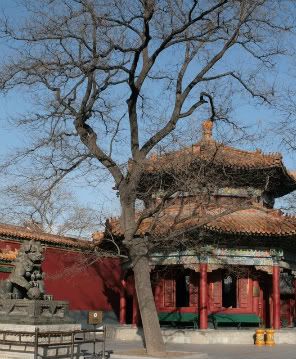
(218, 351)
(248, 352)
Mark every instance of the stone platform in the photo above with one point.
(25, 350)
(25, 311)
(194, 336)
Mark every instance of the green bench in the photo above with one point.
(176, 318)
(237, 319)
(234, 318)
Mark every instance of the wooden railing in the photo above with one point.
(54, 339)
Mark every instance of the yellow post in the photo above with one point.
(270, 337)
(260, 337)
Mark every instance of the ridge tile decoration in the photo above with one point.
(7, 254)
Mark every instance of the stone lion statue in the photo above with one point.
(27, 279)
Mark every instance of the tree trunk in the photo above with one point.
(152, 333)
(138, 253)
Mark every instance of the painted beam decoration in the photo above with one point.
(221, 256)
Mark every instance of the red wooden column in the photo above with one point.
(276, 297)
(122, 303)
(270, 310)
(203, 297)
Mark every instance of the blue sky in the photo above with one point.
(10, 137)
(247, 112)
(14, 104)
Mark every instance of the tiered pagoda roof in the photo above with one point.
(19, 233)
(233, 167)
(236, 168)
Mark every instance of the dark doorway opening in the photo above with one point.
(266, 285)
(229, 291)
(182, 290)
(129, 309)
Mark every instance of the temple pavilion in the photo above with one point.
(223, 255)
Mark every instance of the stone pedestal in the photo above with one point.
(31, 327)
(25, 311)
(8, 350)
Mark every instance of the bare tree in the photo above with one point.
(59, 213)
(113, 79)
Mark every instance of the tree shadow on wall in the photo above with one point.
(110, 273)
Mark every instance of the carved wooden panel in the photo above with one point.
(215, 290)
(169, 292)
(244, 285)
(193, 290)
(159, 293)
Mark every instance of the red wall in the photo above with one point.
(3, 275)
(70, 277)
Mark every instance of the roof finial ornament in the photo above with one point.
(207, 129)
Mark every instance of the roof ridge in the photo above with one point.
(255, 220)
(212, 143)
(29, 230)
(24, 232)
(258, 151)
